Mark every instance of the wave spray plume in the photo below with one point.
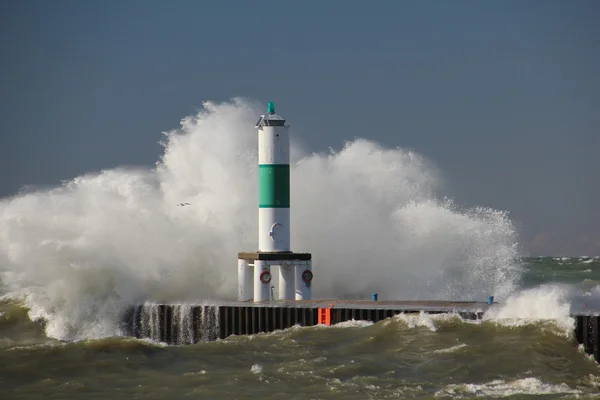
(79, 254)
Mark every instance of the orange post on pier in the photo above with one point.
(325, 315)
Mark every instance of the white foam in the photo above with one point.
(256, 369)
(36, 346)
(423, 319)
(543, 303)
(201, 372)
(502, 388)
(80, 253)
(353, 324)
(593, 380)
(452, 349)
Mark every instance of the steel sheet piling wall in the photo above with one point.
(587, 333)
(189, 324)
(173, 324)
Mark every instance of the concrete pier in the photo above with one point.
(181, 324)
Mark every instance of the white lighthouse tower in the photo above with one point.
(254, 269)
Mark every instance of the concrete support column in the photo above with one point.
(262, 281)
(304, 281)
(286, 282)
(245, 288)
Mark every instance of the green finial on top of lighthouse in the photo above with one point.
(271, 107)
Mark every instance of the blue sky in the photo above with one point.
(503, 96)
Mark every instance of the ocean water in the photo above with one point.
(75, 257)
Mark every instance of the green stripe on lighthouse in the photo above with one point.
(274, 186)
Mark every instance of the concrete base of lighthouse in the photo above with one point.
(254, 276)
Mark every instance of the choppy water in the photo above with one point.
(75, 257)
(416, 356)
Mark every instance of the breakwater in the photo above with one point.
(184, 324)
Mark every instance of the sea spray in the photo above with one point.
(552, 303)
(546, 303)
(374, 218)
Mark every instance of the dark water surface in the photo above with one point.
(525, 351)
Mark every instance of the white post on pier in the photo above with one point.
(262, 280)
(286, 282)
(245, 275)
(304, 278)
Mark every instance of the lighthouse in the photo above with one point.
(273, 183)
(274, 247)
